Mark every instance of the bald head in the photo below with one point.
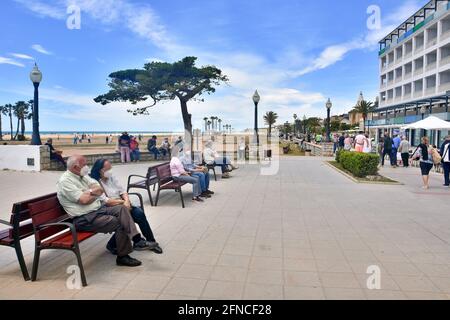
(75, 163)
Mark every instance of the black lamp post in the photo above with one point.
(328, 105)
(36, 78)
(256, 100)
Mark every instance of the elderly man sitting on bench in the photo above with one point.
(80, 197)
(196, 171)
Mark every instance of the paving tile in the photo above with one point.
(339, 280)
(344, 294)
(225, 273)
(185, 287)
(238, 261)
(147, 283)
(263, 292)
(302, 279)
(195, 271)
(303, 293)
(223, 290)
(415, 283)
(265, 276)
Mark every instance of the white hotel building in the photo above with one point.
(415, 73)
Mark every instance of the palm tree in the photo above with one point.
(364, 108)
(22, 112)
(206, 124)
(312, 124)
(8, 111)
(2, 108)
(220, 125)
(209, 125)
(270, 118)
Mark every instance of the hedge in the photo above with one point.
(359, 164)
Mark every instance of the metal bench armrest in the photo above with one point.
(135, 176)
(141, 200)
(5, 223)
(69, 225)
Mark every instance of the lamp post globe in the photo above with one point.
(36, 78)
(328, 106)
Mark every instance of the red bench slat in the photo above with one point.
(65, 239)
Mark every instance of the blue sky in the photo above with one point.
(296, 53)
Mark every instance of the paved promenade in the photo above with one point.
(306, 233)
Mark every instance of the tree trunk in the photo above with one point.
(11, 123)
(364, 124)
(17, 128)
(22, 127)
(187, 120)
(1, 129)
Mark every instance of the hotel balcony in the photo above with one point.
(445, 32)
(431, 66)
(445, 55)
(418, 71)
(432, 36)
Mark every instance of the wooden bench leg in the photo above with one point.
(80, 265)
(37, 254)
(215, 175)
(157, 196)
(182, 199)
(20, 258)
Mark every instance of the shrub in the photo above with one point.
(338, 153)
(359, 164)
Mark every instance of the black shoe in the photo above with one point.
(143, 245)
(209, 192)
(198, 199)
(205, 195)
(157, 250)
(127, 261)
(111, 249)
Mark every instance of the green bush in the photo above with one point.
(338, 154)
(359, 164)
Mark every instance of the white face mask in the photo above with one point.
(84, 171)
(108, 174)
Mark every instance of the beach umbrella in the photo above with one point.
(430, 123)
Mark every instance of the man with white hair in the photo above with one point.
(80, 197)
(196, 171)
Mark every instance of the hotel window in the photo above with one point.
(445, 55)
(432, 33)
(431, 60)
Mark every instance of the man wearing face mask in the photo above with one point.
(80, 197)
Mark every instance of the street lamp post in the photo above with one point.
(36, 78)
(328, 105)
(256, 100)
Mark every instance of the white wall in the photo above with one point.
(15, 158)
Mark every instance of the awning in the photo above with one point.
(430, 123)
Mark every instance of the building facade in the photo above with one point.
(415, 73)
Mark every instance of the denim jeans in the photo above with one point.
(222, 162)
(195, 181)
(140, 219)
(394, 157)
(204, 180)
(155, 151)
(135, 155)
(446, 166)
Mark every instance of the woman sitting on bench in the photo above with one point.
(116, 195)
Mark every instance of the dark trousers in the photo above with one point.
(405, 159)
(394, 157)
(446, 166)
(155, 152)
(59, 158)
(383, 156)
(140, 219)
(108, 220)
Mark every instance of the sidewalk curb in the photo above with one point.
(364, 182)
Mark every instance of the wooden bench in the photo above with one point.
(150, 180)
(53, 229)
(20, 227)
(166, 182)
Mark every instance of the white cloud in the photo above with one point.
(41, 49)
(335, 53)
(22, 56)
(43, 9)
(10, 61)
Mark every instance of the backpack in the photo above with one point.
(437, 159)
